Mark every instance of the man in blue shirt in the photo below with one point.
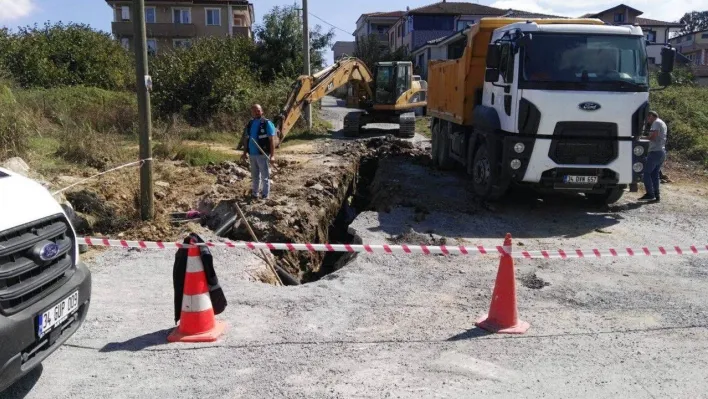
(260, 132)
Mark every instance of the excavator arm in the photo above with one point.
(308, 89)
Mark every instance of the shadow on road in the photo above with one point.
(469, 334)
(138, 343)
(24, 385)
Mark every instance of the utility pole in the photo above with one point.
(147, 210)
(306, 58)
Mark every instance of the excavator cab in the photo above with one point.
(391, 80)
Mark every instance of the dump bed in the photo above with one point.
(455, 86)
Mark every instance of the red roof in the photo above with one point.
(654, 22)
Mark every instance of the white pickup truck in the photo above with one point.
(44, 289)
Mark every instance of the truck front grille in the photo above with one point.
(25, 277)
(584, 143)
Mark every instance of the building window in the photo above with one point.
(152, 46)
(619, 17)
(704, 35)
(462, 25)
(150, 15)
(651, 36)
(213, 17)
(181, 43)
(238, 21)
(125, 42)
(125, 13)
(182, 15)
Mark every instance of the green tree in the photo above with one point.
(694, 21)
(65, 55)
(371, 50)
(213, 74)
(279, 41)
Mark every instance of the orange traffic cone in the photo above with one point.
(503, 314)
(197, 322)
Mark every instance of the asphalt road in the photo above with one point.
(403, 326)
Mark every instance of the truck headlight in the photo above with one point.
(515, 164)
(639, 150)
(519, 148)
(638, 167)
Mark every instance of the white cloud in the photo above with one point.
(15, 9)
(661, 10)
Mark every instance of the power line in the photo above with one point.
(334, 26)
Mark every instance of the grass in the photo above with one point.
(422, 126)
(201, 156)
(320, 130)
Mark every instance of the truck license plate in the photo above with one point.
(580, 179)
(57, 314)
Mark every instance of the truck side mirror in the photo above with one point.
(493, 56)
(664, 79)
(668, 57)
(492, 75)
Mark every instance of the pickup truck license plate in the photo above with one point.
(57, 314)
(580, 179)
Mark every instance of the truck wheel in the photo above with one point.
(610, 196)
(484, 177)
(445, 161)
(435, 151)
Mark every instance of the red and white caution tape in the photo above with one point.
(414, 249)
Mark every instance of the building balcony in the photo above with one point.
(122, 29)
(242, 31)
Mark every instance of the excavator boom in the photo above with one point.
(308, 89)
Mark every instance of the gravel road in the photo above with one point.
(403, 326)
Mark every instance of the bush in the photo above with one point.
(80, 144)
(685, 111)
(103, 110)
(65, 55)
(16, 126)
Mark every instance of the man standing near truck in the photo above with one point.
(655, 157)
(260, 133)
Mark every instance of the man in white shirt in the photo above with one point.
(655, 157)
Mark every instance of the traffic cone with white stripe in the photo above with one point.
(197, 322)
(503, 317)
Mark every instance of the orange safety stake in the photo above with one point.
(197, 322)
(503, 317)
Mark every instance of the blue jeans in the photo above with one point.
(260, 174)
(655, 159)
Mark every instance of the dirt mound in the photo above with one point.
(413, 237)
(533, 282)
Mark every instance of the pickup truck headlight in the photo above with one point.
(638, 167)
(519, 148)
(515, 164)
(639, 150)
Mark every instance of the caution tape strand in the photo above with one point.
(413, 249)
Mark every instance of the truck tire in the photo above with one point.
(610, 196)
(484, 177)
(351, 124)
(445, 161)
(435, 151)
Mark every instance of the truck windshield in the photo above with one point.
(596, 60)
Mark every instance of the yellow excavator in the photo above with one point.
(391, 94)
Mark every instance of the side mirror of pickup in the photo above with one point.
(492, 75)
(493, 56)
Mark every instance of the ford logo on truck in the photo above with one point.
(49, 252)
(589, 106)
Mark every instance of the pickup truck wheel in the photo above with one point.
(610, 196)
(435, 151)
(445, 161)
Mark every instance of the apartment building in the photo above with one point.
(176, 23)
(655, 31)
(377, 23)
(420, 25)
(694, 46)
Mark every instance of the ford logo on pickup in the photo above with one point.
(589, 106)
(49, 252)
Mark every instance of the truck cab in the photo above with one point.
(44, 288)
(561, 105)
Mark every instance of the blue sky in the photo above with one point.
(342, 13)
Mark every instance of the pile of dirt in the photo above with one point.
(413, 237)
(533, 282)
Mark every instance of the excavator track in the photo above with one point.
(352, 126)
(407, 125)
